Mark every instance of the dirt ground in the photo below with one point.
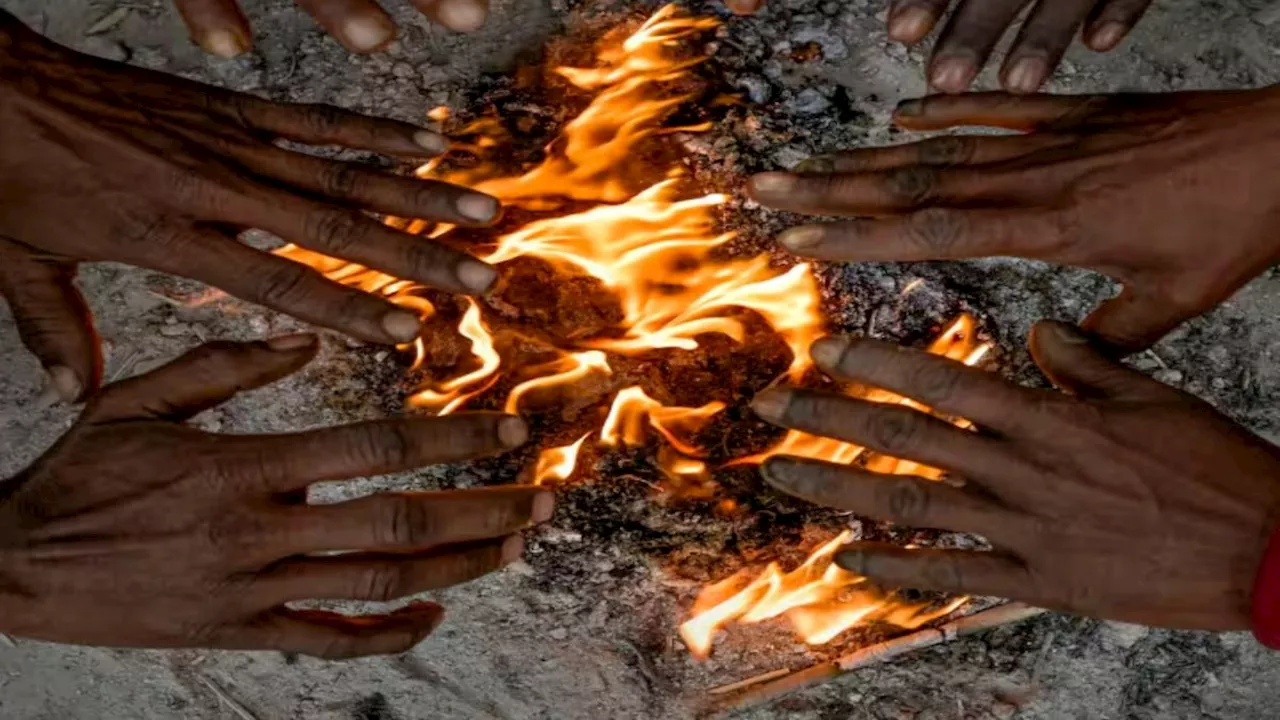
(518, 648)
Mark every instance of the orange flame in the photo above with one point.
(657, 251)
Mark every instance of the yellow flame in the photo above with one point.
(557, 464)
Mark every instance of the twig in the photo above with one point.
(873, 655)
(240, 710)
(7, 641)
(742, 684)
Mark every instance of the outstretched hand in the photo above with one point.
(976, 26)
(362, 26)
(1177, 196)
(1118, 498)
(136, 530)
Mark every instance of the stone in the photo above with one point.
(559, 634)
(758, 89)
(809, 102)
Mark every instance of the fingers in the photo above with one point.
(900, 499)
(362, 26)
(1133, 320)
(896, 430)
(1002, 110)
(287, 462)
(457, 15)
(1111, 21)
(355, 237)
(389, 522)
(885, 191)
(945, 151)
(330, 125)
(1043, 40)
(203, 378)
(332, 636)
(911, 20)
(944, 385)
(383, 578)
(968, 40)
(932, 234)
(370, 189)
(53, 321)
(217, 26)
(1067, 358)
(285, 286)
(959, 572)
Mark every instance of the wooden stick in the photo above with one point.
(236, 708)
(7, 641)
(1006, 614)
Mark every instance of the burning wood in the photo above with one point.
(616, 294)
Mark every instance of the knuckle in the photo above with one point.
(905, 500)
(282, 284)
(380, 583)
(340, 179)
(933, 380)
(912, 186)
(895, 429)
(942, 572)
(336, 232)
(947, 150)
(322, 120)
(409, 523)
(936, 229)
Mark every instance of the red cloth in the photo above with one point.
(1266, 596)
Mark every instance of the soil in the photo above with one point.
(585, 628)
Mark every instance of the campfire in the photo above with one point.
(622, 322)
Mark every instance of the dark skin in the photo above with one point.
(136, 530)
(975, 27)
(1176, 196)
(105, 162)
(221, 28)
(1117, 497)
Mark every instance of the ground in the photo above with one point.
(517, 647)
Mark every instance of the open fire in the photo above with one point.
(630, 283)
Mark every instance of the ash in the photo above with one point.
(585, 628)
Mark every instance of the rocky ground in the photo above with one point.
(526, 644)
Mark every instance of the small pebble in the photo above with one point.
(559, 633)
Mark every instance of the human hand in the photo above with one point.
(362, 26)
(976, 27)
(106, 162)
(136, 530)
(1176, 196)
(1124, 499)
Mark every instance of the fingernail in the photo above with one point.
(61, 385)
(828, 352)
(816, 165)
(855, 561)
(512, 549)
(777, 471)
(225, 44)
(401, 326)
(476, 276)
(477, 207)
(1108, 36)
(909, 108)
(1069, 334)
(910, 25)
(544, 504)
(803, 238)
(952, 74)
(433, 143)
(512, 431)
(772, 404)
(461, 15)
(773, 183)
(1027, 75)
(366, 33)
(296, 341)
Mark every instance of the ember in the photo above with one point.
(606, 280)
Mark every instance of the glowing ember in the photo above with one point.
(652, 250)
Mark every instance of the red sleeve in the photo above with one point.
(1266, 596)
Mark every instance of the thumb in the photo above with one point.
(203, 378)
(53, 321)
(1131, 321)
(1067, 358)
